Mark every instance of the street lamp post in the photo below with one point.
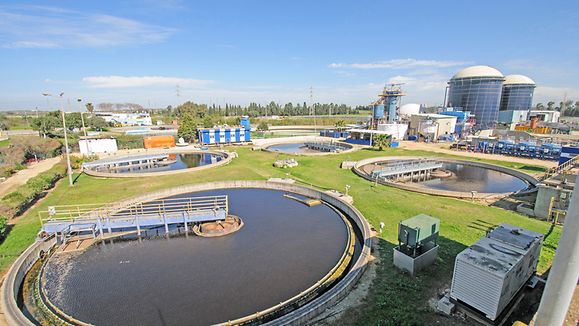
(68, 167)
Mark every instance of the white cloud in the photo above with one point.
(30, 45)
(549, 93)
(51, 27)
(141, 81)
(400, 64)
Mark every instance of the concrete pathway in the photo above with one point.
(22, 176)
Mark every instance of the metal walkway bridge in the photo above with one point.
(568, 165)
(130, 161)
(326, 146)
(98, 219)
(406, 169)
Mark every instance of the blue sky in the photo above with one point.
(243, 51)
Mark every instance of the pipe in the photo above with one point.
(564, 272)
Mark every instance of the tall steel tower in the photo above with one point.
(388, 101)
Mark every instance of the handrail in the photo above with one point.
(154, 207)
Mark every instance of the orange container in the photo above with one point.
(159, 141)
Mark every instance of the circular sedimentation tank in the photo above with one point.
(451, 178)
(310, 148)
(154, 164)
(288, 262)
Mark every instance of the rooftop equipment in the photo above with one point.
(417, 247)
(489, 274)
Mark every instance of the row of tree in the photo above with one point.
(273, 108)
(567, 108)
(50, 121)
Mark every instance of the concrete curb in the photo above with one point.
(227, 159)
(445, 193)
(301, 316)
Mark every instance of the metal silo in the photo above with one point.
(517, 93)
(477, 89)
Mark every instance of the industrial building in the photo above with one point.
(90, 146)
(432, 125)
(126, 119)
(517, 93)
(225, 135)
(491, 272)
(554, 197)
(385, 109)
(477, 89)
(545, 115)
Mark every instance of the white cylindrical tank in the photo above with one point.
(409, 109)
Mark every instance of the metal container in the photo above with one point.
(418, 230)
(489, 274)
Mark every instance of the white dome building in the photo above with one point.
(409, 109)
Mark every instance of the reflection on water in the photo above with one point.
(472, 178)
(296, 148)
(176, 162)
(284, 248)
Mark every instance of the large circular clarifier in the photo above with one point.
(284, 248)
(473, 178)
(444, 177)
(310, 148)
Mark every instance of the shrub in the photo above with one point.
(3, 227)
(16, 202)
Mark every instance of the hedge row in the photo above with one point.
(16, 202)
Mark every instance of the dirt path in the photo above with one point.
(22, 176)
(444, 148)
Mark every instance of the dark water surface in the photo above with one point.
(182, 161)
(473, 178)
(284, 248)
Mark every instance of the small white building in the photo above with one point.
(434, 125)
(126, 119)
(545, 115)
(97, 145)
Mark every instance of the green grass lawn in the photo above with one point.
(4, 143)
(394, 296)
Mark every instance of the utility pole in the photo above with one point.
(68, 167)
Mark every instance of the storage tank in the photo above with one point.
(409, 109)
(378, 112)
(489, 274)
(477, 89)
(517, 93)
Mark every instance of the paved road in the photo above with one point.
(22, 176)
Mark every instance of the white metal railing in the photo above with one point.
(155, 207)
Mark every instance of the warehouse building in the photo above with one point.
(432, 125)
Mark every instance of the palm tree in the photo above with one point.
(381, 141)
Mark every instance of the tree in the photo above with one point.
(340, 125)
(188, 128)
(539, 106)
(208, 122)
(89, 107)
(381, 141)
(551, 106)
(262, 126)
(46, 123)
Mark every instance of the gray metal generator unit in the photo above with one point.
(489, 274)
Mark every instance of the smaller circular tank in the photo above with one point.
(378, 112)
